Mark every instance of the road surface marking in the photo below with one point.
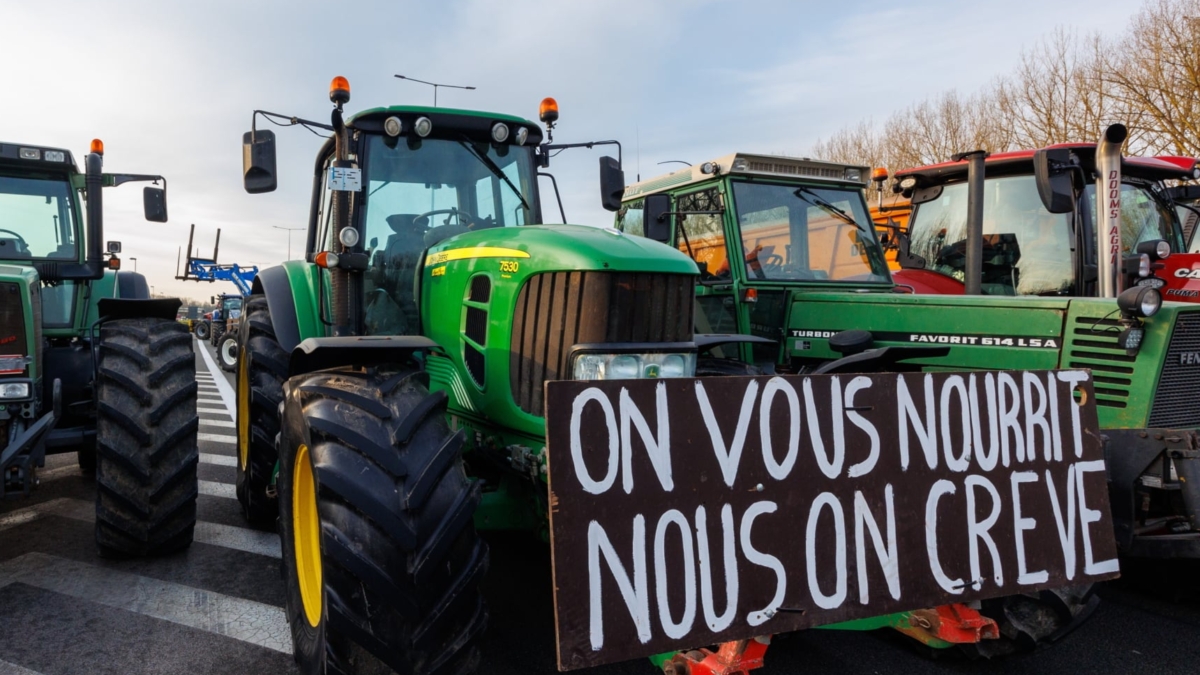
(219, 460)
(214, 534)
(223, 387)
(254, 622)
(214, 489)
(216, 438)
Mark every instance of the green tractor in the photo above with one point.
(88, 362)
(391, 386)
(787, 254)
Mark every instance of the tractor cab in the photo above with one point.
(758, 226)
(1027, 248)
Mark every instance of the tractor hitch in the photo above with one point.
(730, 658)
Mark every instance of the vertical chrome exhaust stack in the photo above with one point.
(1108, 211)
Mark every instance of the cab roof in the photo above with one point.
(469, 121)
(34, 156)
(1020, 162)
(748, 164)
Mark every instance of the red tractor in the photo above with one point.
(1039, 226)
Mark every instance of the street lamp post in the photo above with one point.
(289, 230)
(435, 86)
(134, 263)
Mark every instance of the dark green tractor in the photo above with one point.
(88, 363)
(788, 255)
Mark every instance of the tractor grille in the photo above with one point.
(558, 310)
(1176, 403)
(12, 321)
(1094, 346)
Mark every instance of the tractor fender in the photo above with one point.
(315, 354)
(132, 286)
(290, 290)
(123, 308)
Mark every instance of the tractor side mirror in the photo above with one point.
(1051, 171)
(612, 183)
(154, 204)
(658, 221)
(258, 161)
(113, 247)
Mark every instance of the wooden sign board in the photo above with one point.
(688, 512)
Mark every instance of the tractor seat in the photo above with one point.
(12, 249)
(406, 223)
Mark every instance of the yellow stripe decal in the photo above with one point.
(474, 252)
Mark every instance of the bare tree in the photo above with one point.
(1155, 76)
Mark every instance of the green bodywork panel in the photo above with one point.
(302, 278)
(534, 249)
(26, 279)
(1042, 333)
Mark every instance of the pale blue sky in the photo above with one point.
(169, 86)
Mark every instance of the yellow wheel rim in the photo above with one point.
(243, 412)
(306, 535)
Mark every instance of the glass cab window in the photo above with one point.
(702, 236)
(36, 219)
(1026, 249)
(418, 194)
(1143, 218)
(806, 234)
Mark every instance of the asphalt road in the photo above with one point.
(218, 607)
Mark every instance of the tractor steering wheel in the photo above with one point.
(20, 239)
(464, 218)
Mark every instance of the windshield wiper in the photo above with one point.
(496, 171)
(815, 199)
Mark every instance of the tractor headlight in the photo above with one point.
(1158, 249)
(423, 126)
(1143, 265)
(392, 126)
(1139, 301)
(854, 175)
(14, 390)
(595, 366)
(499, 132)
(54, 156)
(521, 135)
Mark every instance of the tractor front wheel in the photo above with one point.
(146, 453)
(381, 558)
(262, 368)
(201, 330)
(227, 352)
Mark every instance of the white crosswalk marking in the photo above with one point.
(215, 534)
(246, 620)
(214, 489)
(216, 438)
(219, 460)
(216, 423)
(223, 387)
(212, 411)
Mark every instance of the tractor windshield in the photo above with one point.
(1026, 249)
(422, 192)
(806, 234)
(36, 218)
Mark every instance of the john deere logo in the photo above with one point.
(1189, 359)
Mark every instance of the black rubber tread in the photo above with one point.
(87, 457)
(231, 336)
(401, 561)
(1035, 621)
(215, 332)
(146, 483)
(202, 330)
(259, 351)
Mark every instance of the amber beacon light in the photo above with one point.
(548, 111)
(97, 146)
(339, 90)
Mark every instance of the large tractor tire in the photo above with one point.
(202, 330)
(262, 368)
(381, 558)
(146, 483)
(227, 351)
(216, 330)
(87, 457)
(1035, 621)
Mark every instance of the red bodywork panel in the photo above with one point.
(1181, 272)
(924, 282)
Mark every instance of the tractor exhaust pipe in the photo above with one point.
(973, 274)
(94, 183)
(1108, 211)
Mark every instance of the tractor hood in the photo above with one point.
(564, 247)
(20, 320)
